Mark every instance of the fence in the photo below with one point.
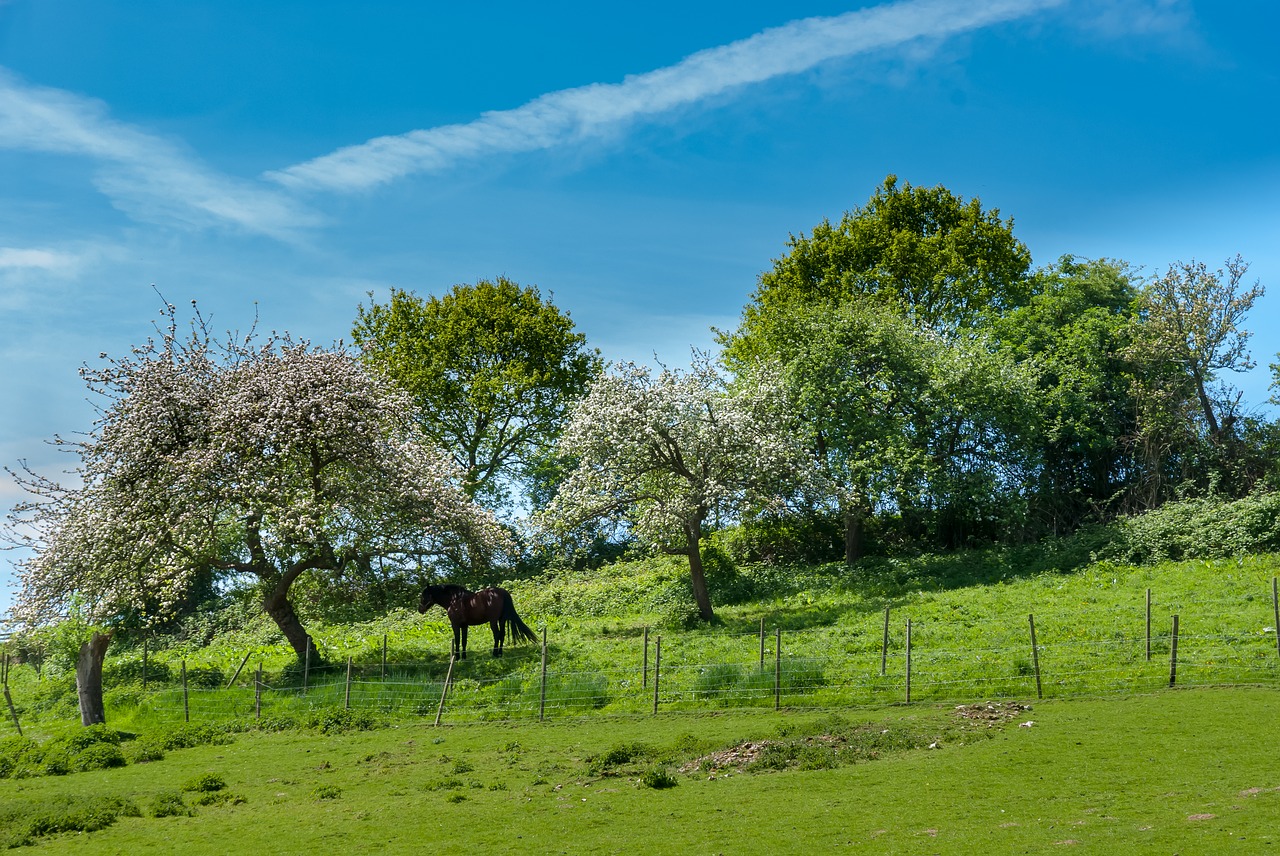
(889, 658)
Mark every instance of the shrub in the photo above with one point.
(658, 777)
(169, 804)
(100, 756)
(19, 757)
(128, 670)
(205, 783)
(621, 754)
(188, 735)
(326, 792)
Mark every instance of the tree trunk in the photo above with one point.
(89, 679)
(852, 535)
(282, 613)
(693, 535)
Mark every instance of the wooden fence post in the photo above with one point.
(908, 661)
(306, 666)
(346, 701)
(884, 645)
(384, 656)
(1035, 655)
(762, 643)
(186, 700)
(1173, 654)
(257, 693)
(247, 655)
(1275, 606)
(542, 703)
(645, 680)
(657, 670)
(1148, 625)
(144, 664)
(777, 668)
(444, 691)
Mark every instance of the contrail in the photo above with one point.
(145, 175)
(574, 114)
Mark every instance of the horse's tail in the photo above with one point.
(519, 631)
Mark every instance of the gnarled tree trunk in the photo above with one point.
(277, 605)
(89, 678)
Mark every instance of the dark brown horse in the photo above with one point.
(468, 608)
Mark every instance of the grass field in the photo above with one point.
(1179, 771)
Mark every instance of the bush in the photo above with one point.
(128, 670)
(658, 777)
(188, 735)
(169, 804)
(19, 757)
(100, 756)
(21, 825)
(205, 783)
(1200, 529)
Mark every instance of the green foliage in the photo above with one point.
(605, 762)
(169, 804)
(205, 783)
(658, 777)
(1200, 529)
(190, 734)
(24, 824)
(19, 757)
(492, 368)
(101, 756)
(326, 792)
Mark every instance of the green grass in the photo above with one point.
(1175, 771)
(969, 625)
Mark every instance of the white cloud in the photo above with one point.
(145, 175)
(573, 114)
(19, 257)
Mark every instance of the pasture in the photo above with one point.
(1177, 771)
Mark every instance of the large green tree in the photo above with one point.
(1073, 335)
(492, 368)
(942, 261)
(883, 323)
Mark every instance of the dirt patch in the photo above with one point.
(991, 714)
(744, 754)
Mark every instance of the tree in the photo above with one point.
(667, 453)
(1191, 330)
(874, 319)
(271, 460)
(1073, 334)
(492, 369)
(941, 261)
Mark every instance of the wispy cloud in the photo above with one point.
(145, 175)
(574, 114)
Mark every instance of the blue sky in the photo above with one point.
(642, 162)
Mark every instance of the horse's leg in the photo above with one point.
(457, 649)
(464, 642)
(498, 636)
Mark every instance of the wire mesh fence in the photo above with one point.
(878, 659)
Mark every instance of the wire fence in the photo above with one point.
(880, 660)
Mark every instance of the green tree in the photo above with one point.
(492, 368)
(882, 323)
(943, 262)
(1073, 334)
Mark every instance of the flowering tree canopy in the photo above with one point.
(665, 452)
(268, 459)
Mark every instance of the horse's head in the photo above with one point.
(427, 600)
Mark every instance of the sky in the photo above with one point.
(642, 164)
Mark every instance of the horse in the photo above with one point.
(467, 608)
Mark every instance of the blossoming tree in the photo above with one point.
(666, 453)
(271, 460)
